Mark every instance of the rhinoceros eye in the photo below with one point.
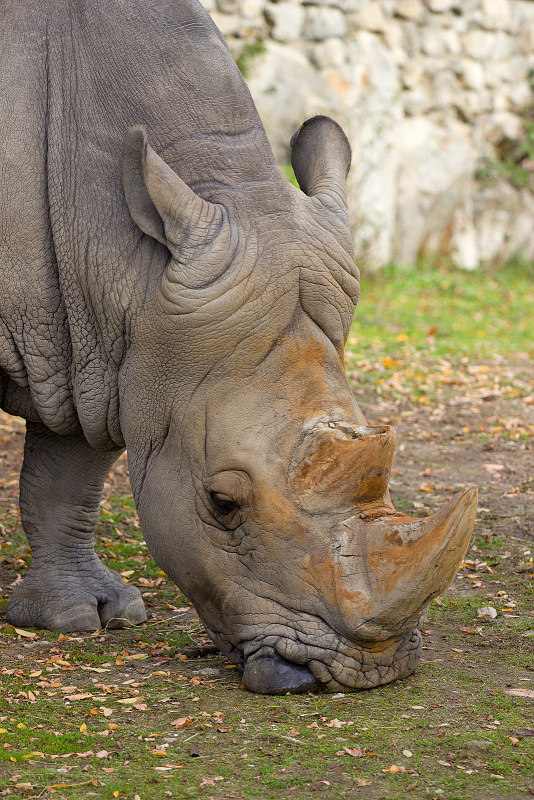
(222, 504)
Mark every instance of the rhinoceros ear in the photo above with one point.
(321, 156)
(160, 203)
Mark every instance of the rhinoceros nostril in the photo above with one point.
(269, 673)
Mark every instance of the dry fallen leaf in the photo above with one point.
(94, 669)
(83, 696)
(493, 468)
(211, 781)
(27, 634)
(520, 692)
(131, 700)
(355, 752)
(182, 722)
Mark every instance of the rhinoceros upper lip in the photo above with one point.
(335, 656)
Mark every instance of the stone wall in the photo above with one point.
(434, 95)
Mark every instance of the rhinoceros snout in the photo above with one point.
(269, 673)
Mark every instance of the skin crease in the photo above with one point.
(165, 289)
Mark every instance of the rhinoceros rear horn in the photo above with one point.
(321, 156)
(161, 204)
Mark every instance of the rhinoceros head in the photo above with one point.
(261, 490)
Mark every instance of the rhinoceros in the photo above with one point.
(165, 289)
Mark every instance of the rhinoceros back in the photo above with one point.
(75, 74)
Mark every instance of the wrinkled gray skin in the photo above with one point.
(203, 330)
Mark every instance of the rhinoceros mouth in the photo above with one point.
(323, 659)
(366, 666)
(350, 666)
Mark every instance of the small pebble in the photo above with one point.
(487, 612)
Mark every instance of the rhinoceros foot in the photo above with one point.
(82, 599)
(269, 673)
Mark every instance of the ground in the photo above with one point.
(138, 714)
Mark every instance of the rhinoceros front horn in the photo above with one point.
(388, 566)
(393, 565)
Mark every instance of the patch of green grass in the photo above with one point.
(432, 333)
(443, 312)
(119, 510)
(259, 746)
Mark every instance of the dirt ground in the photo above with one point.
(459, 434)
(438, 454)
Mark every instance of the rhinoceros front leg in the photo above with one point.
(67, 588)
